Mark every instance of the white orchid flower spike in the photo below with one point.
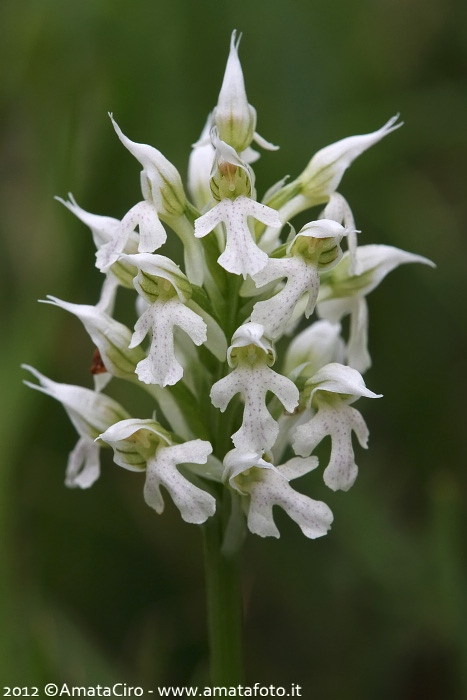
(230, 415)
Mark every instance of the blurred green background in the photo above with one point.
(94, 586)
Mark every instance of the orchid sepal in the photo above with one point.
(104, 229)
(111, 337)
(160, 180)
(325, 170)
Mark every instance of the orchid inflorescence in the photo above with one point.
(226, 417)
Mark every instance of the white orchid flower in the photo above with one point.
(302, 272)
(233, 116)
(111, 337)
(314, 347)
(105, 229)
(166, 288)
(163, 196)
(263, 486)
(143, 445)
(331, 389)
(322, 177)
(91, 413)
(161, 183)
(161, 366)
(324, 172)
(250, 354)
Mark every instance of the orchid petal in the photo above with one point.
(274, 189)
(340, 379)
(314, 518)
(226, 154)
(134, 440)
(358, 356)
(250, 334)
(267, 145)
(108, 295)
(206, 223)
(142, 444)
(334, 386)
(199, 168)
(314, 347)
(249, 155)
(159, 266)
(338, 209)
(343, 292)
(83, 467)
(89, 411)
(298, 466)
(103, 228)
(374, 263)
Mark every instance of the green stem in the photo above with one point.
(234, 284)
(224, 604)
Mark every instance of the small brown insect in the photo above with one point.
(98, 366)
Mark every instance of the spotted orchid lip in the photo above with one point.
(242, 256)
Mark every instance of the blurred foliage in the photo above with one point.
(93, 585)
